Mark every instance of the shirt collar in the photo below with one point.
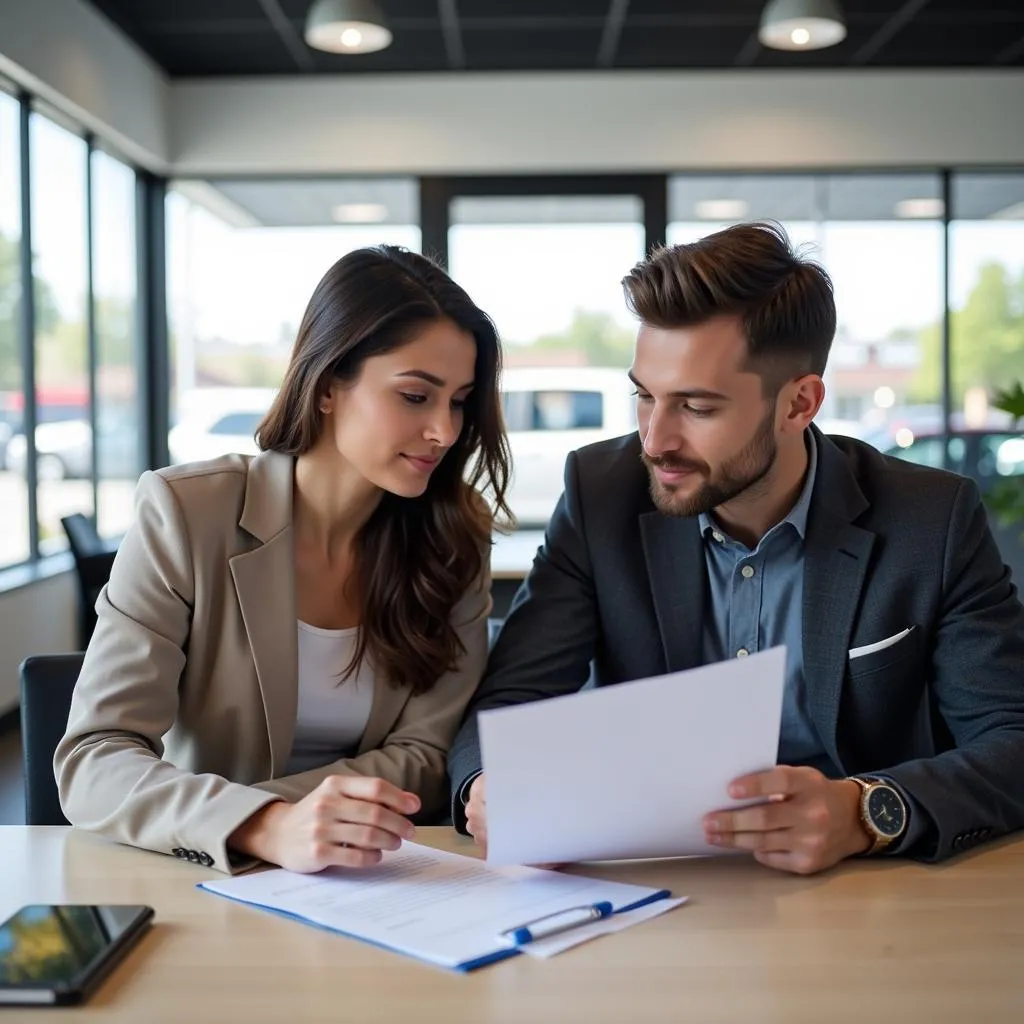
(799, 512)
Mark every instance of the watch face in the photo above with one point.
(886, 811)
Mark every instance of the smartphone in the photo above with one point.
(55, 955)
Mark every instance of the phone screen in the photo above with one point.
(55, 947)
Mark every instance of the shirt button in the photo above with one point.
(742, 652)
(747, 571)
(717, 536)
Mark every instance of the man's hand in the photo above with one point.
(476, 813)
(348, 820)
(810, 823)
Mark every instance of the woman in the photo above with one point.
(287, 642)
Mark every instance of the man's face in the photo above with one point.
(709, 434)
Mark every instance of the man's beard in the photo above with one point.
(734, 477)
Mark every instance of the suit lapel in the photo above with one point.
(836, 558)
(265, 585)
(676, 568)
(264, 581)
(388, 702)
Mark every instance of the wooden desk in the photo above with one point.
(872, 941)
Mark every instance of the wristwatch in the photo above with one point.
(883, 813)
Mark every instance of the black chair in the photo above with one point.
(93, 560)
(47, 682)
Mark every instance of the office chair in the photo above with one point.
(47, 682)
(93, 561)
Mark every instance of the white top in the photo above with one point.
(332, 714)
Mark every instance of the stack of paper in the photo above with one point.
(439, 907)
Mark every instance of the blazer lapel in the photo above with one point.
(836, 558)
(264, 581)
(388, 702)
(674, 553)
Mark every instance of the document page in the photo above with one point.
(440, 907)
(628, 771)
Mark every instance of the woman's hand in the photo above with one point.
(347, 821)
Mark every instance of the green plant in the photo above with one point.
(1007, 497)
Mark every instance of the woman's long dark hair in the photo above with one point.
(415, 557)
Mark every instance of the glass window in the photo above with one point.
(14, 525)
(987, 286)
(237, 423)
(63, 435)
(1000, 455)
(548, 270)
(880, 238)
(553, 410)
(119, 455)
(243, 260)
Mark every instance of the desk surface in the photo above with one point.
(871, 941)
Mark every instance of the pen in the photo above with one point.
(562, 921)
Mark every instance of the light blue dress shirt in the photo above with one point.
(756, 602)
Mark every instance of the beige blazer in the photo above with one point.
(183, 717)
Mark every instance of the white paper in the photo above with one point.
(605, 926)
(440, 907)
(628, 771)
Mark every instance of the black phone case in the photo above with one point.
(73, 995)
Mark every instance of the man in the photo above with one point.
(729, 524)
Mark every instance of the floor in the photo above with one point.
(12, 792)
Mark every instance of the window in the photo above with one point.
(63, 434)
(548, 270)
(987, 300)
(880, 238)
(243, 260)
(237, 423)
(119, 455)
(1000, 455)
(14, 525)
(553, 410)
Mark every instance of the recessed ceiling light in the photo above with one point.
(359, 213)
(920, 208)
(721, 209)
(347, 26)
(801, 24)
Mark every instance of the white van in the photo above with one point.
(549, 411)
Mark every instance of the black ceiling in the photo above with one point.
(264, 37)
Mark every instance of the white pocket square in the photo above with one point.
(859, 652)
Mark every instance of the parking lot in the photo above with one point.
(56, 499)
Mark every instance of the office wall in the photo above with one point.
(67, 53)
(37, 619)
(617, 121)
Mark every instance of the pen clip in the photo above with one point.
(531, 931)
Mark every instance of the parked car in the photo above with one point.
(218, 421)
(984, 455)
(64, 449)
(548, 413)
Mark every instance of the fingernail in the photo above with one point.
(715, 840)
(712, 825)
(736, 792)
(409, 832)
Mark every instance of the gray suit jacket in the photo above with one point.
(889, 546)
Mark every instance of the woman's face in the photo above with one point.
(405, 410)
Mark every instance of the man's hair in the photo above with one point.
(752, 271)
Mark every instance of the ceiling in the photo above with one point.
(324, 202)
(191, 38)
